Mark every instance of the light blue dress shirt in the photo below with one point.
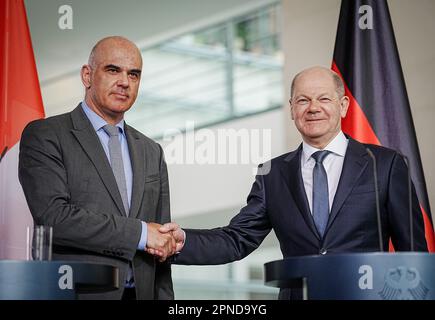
(98, 123)
(333, 165)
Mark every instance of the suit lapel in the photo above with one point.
(138, 164)
(291, 172)
(88, 139)
(355, 162)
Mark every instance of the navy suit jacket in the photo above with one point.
(278, 200)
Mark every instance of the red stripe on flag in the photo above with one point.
(429, 232)
(21, 100)
(355, 123)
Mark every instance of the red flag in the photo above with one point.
(20, 103)
(367, 59)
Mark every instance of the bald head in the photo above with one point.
(110, 43)
(318, 70)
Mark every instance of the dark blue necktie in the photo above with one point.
(320, 192)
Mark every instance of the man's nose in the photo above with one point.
(123, 79)
(314, 106)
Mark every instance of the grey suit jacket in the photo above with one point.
(69, 184)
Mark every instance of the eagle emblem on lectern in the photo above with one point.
(403, 283)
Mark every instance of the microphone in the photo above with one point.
(411, 222)
(378, 210)
(3, 153)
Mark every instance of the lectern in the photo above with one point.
(54, 280)
(357, 276)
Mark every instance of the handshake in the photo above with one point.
(164, 240)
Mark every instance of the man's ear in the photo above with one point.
(291, 109)
(344, 106)
(85, 74)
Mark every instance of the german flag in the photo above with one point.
(367, 59)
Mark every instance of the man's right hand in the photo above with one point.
(178, 234)
(158, 243)
(173, 229)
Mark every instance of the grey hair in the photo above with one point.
(339, 85)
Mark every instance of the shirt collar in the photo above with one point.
(96, 121)
(338, 146)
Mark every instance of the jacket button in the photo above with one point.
(323, 251)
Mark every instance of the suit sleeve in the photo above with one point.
(243, 235)
(398, 212)
(44, 180)
(163, 282)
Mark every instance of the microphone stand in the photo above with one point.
(378, 210)
(411, 221)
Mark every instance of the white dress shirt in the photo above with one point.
(333, 164)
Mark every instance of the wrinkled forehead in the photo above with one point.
(314, 83)
(120, 55)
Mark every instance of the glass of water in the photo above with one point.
(39, 242)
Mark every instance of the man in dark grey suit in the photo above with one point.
(319, 198)
(102, 185)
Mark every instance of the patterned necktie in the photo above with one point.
(116, 162)
(320, 192)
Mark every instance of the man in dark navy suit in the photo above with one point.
(319, 198)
